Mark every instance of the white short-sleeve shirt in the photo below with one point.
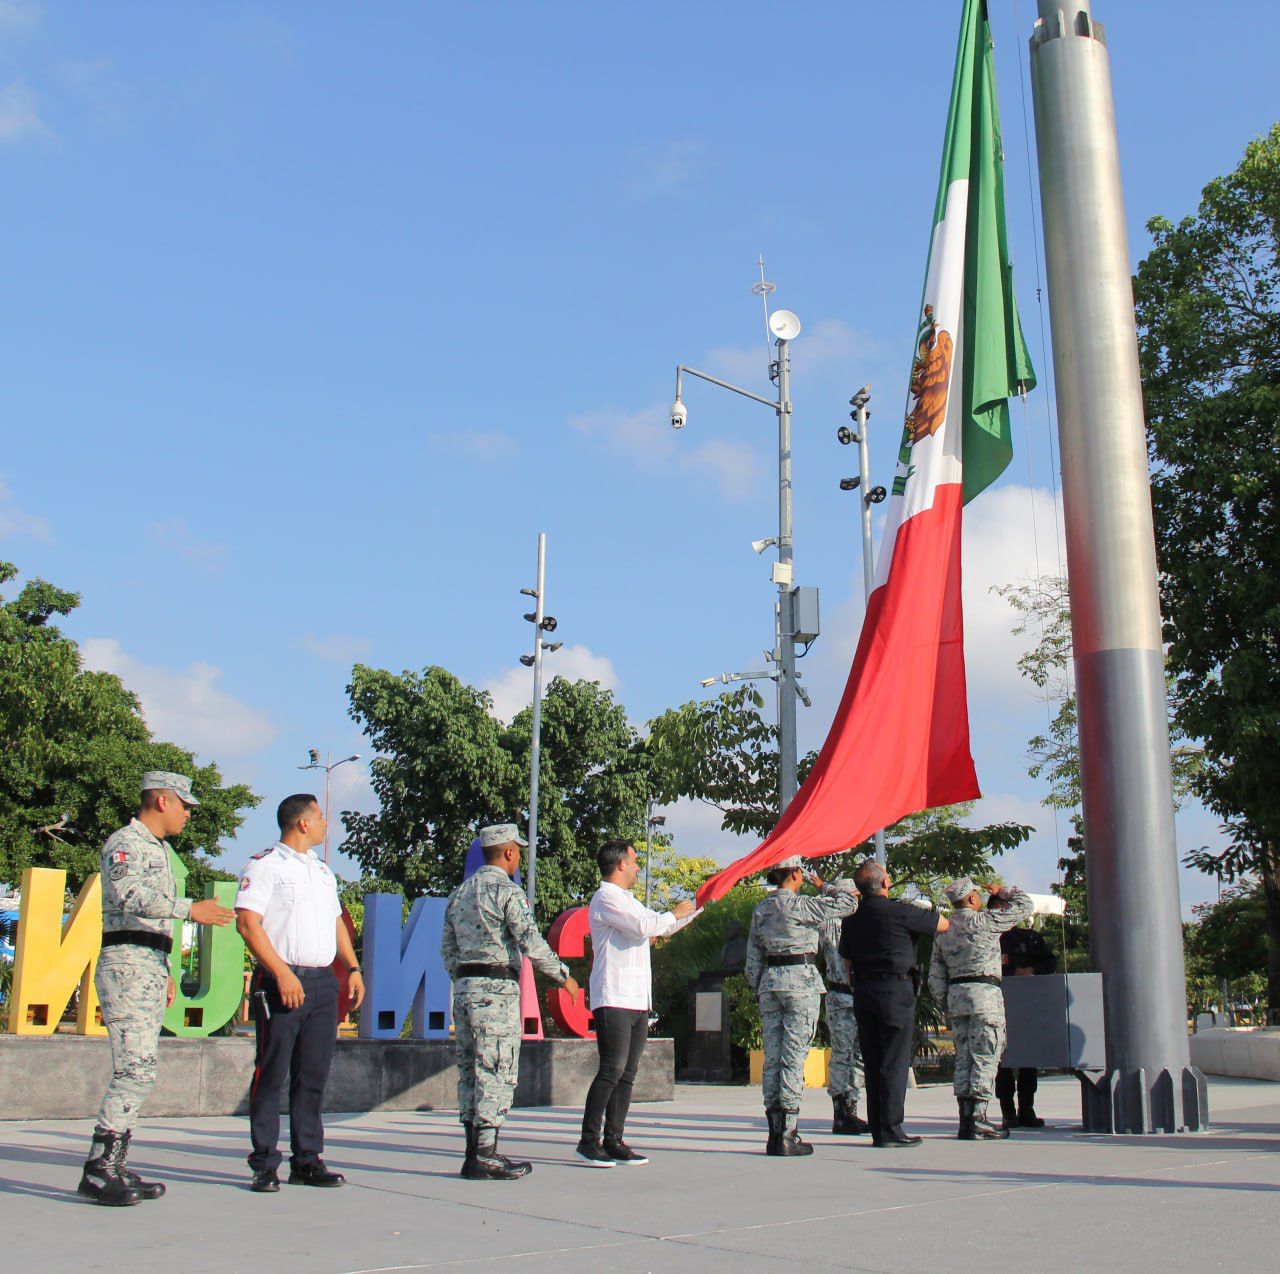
(297, 897)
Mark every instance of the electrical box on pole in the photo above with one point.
(804, 614)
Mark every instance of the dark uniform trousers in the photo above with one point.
(298, 1041)
(885, 1008)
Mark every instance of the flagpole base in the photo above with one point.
(1141, 1101)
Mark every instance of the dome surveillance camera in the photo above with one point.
(678, 415)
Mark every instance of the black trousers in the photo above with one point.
(300, 1042)
(885, 1009)
(620, 1040)
(1026, 1082)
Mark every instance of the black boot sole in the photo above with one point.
(88, 1192)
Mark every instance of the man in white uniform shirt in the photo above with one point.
(288, 913)
(622, 928)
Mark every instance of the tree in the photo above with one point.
(676, 876)
(1208, 306)
(1227, 949)
(445, 766)
(73, 748)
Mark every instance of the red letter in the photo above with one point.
(568, 939)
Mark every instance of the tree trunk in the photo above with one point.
(1271, 892)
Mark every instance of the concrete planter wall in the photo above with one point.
(1240, 1052)
(64, 1076)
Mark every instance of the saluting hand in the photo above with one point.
(815, 880)
(209, 911)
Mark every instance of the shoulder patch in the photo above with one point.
(271, 849)
(120, 856)
(244, 882)
(118, 871)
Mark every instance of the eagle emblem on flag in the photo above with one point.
(930, 379)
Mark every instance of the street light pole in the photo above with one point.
(328, 767)
(784, 326)
(870, 495)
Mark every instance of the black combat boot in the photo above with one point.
(786, 1142)
(483, 1162)
(966, 1131)
(521, 1167)
(1009, 1112)
(845, 1117)
(145, 1189)
(1027, 1117)
(101, 1180)
(983, 1128)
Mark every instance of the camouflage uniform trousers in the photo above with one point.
(131, 984)
(486, 1025)
(789, 1020)
(844, 1072)
(979, 1039)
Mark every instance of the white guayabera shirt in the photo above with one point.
(621, 926)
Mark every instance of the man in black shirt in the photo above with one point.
(878, 944)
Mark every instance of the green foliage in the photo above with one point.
(1227, 943)
(75, 743)
(1208, 305)
(445, 767)
(675, 876)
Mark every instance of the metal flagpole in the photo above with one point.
(1131, 856)
(539, 612)
(787, 751)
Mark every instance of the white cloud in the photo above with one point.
(20, 116)
(350, 789)
(185, 706)
(15, 521)
(647, 441)
(513, 689)
(694, 828)
(478, 444)
(209, 557)
(666, 165)
(338, 648)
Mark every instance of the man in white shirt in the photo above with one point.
(622, 928)
(288, 913)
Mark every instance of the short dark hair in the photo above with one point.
(491, 853)
(293, 808)
(776, 875)
(610, 855)
(869, 876)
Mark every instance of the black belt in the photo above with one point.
(309, 970)
(985, 978)
(842, 988)
(138, 938)
(884, 977)
(502, 971)
(780, 961)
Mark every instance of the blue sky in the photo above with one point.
(316, 314)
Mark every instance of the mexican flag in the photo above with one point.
(900, 740)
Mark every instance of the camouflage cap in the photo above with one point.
(167, 781)
(794, 863)
(500, 834)
(959, 889)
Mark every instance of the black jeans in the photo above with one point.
(886, 1013)
(620, 1038)
(1026, 1081)
(298, 1041)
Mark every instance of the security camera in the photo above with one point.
(849, 484)
(876, 494)
(553, 647)
(678, 415)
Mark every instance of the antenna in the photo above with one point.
(762, 290)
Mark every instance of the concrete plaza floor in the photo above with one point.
(709, 1200)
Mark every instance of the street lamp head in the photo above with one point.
(876, 494)
(527, 660)
(761, 545)
(549, 624)
(551, 649)
(658, 820)
(861, 398)
(708, 681)
(849, 484)
(529, 592)
(679, 415)
(784, 325)
(844, 435)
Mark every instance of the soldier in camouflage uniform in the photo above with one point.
(488, 930)
(964, 977)
(844, 1073)
(140, 902)
(782, 959)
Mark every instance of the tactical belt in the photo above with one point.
(884, 977)
(138, 938)
(842, 988)
(985, 978)
(779, 961)
(488, 971)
